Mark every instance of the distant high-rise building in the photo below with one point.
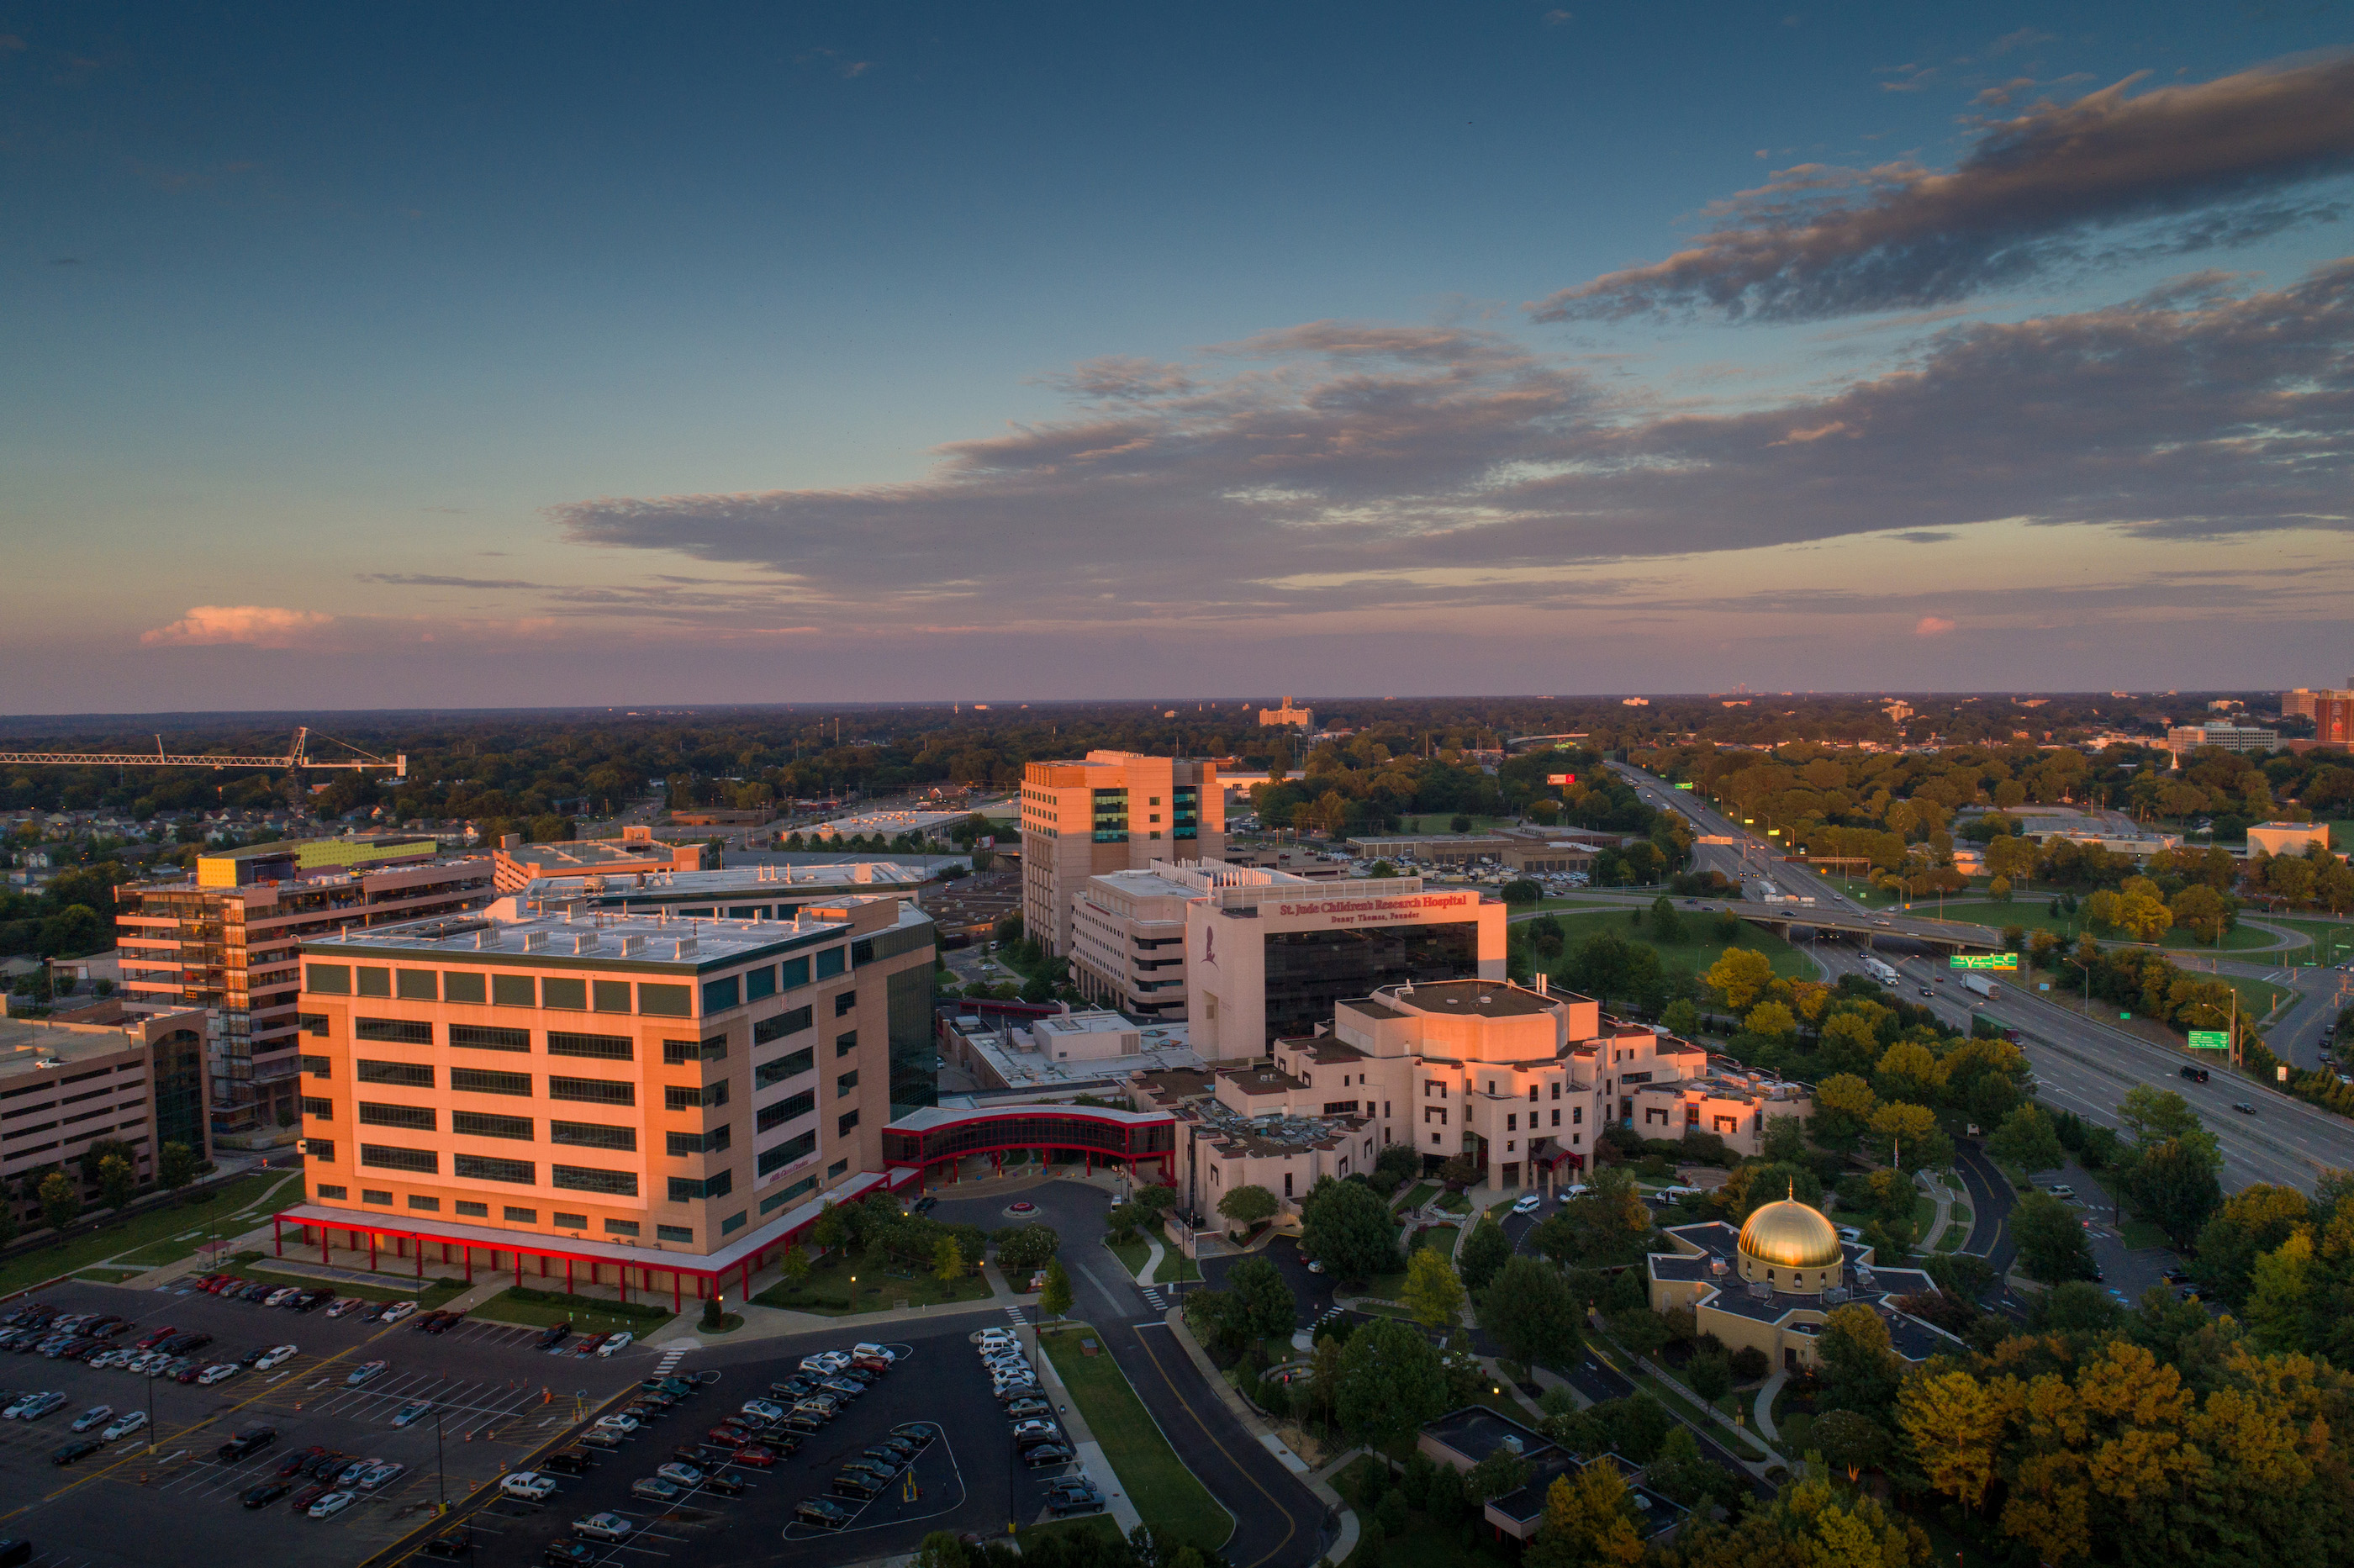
(1117, 811)
(1303, 717)
(2184, 738)
(2333, 717)
(2297, 703)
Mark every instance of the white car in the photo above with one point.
(528, 1485)
(764, 1409)
(400, 1309)
(366, 1370)
(825, 1362)
(606, 1525)
(346, 1306)
(624, 1425)
(1315, 1266)
(382, 1475)
(123, 1425)
(279, 1299)
(1576, 1190)
(96, 1415)
(882, 1352)
(276, 1356)
(615, 1343)
(1529, 1204)
(334, 1503)
(219, 1371)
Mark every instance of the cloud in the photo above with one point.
(1932, 626)
(253, 625)
(422, 579)
(11, 42)
(1344, 467)
(1558, 18)
(2178, 169)
(1928, 535)
(2025, 38)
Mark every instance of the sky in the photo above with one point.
(610, 353)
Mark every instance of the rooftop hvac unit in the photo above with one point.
(686, 948)
(587, 941)
(1513, 1445)
(490, 936)
(633, 946)
(1863, 1277)
(1719, 1268)
(1835, 1295)
(534, 941)
(1761, 1290)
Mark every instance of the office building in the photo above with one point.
(225, 939)
(1303, 719)
(2182, 739)
(637, 852)
(607, 1088)
(2333, 717)
(736, 893)
(64, 1085)
(1520, 1082)
(2288, 837)
(1115, 810)
(2298, 703)
(1268, 955)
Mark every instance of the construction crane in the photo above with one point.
(297, 756)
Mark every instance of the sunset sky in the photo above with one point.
(497, 355)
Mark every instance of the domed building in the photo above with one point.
(1772, 1283)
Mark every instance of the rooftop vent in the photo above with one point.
(534, 941)
(1513, 1445)
(633, 946)
(684, 948)
(488, 937)
(587, 941)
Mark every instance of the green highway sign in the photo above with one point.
(1984, 961)
(2211, 1040)
(1683, 785)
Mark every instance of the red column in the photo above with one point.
(676, 1303)
(543, 1268)
(624, 1272)
(470, 1262)
(744, 1291)
(567, 1277)
(421, 1260)
(278, 1235)
(323, 1244)
(371, 1250)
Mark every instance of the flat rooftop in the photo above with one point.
(26, 1044)
(603, 937)
(1165, 1047)
(891, 822)
(743, 884)
(1485, 999)
(1475, 1432)
(585, 855)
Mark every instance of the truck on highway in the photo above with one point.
(1979, 984)
(1878, 970)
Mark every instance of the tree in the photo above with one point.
(1682, 1019)
(2173, 1184)
(1396, 1164)
(1774, 1020)
(1247, 1206)
(60, 1197)
(1155, 1201)
(1262, 1299)
(1955, 1425)
(1024, 1249)
(1843, 1107)
(714, 1314)
(1056, 1299)
(1709, 1376)
(2202, 911)
(947, 1261)
(1740, 976)
(1602, 966)
(2281, 1304)
(794, 1265)
(1910, 1136)
(1585, 1521)
(2154, 1115)
(175, 1168)
(1348, 1226)
(2051, 1240)
(1391, 1382)
(1641, 1331)
(1849, 1441)
(2026, 1141)
(1484, 1252)
(1432, 1292)
(2252, 1221)
(116, 1182)
(1501, 1473)
(1528, 1309)
(1667, 924)
(1860, 1369)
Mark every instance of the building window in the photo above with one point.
(339, 1194)
(312, 1023)
(482, 1037)
(1576, 1116)
(844, 1001)
(415, 985)
(679, 1053)
(328, 979)
(688, 1189)
(665, 1001)
(431, 1205)
(832, 962)
(734, 1222)
(844, 1083)
(373, 981)
(620, 1227)
(785, 1153)
(675, 1233)
(481, 1124)
(483, 1167)
(513, 991)
(773, 1116)
(369, 1195)
(407, 1074)
(593, 1091)
(581, 1178)
(1512, 1122)
(712, 1141)
(564, 995)
(1556, 1117)
(472, 1210)
(721, 994)
(836, 1169)
(603, 1047)
(792, 974)
(324, 1110)
(1556, 1088)
(843, 1044)
(848, 1120)
(482, 1081)
(792, 1066)
(593, 1135)
(321, 1150)
(386, 1157)
(464, 985)
(416, 1119)
(692, 1098)
(783, 1195)
(609, 996)
(515, 1216)
(759, 983)
(564, 1222)
(782, 1024)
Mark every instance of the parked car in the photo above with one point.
(619, 1422)
(528, 1485)
(763, 1454)
(1047, 1456)
(251, 1440)
(123, 1425)
(607, 1525)
(1529, 1204)
(346, 1306)
(305, 1497)
(80, 1448)
(654, 1489)
(365, 1371)
(265, 1494)
(823, 1512)
(567, 1462)
(566, 1554)
(1029, 1409)
(451, 1544)
(1072, 1498)
(615, 1343)
(334, 1503)
(396, 1310)
(378, 1476)
(414, 1411)
(219, 1372)
(922, 1434)
(294, 1463)
(598, 1437)
(858, 1484)
(96, 1415)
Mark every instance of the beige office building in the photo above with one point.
(1299, 718)
(139, 1081)
(1115, 810)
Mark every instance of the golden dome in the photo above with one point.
(1790, 1234)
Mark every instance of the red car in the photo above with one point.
(157, 1337)
(759, 1456)
(727, 1437)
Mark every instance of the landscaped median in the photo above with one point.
(586, 1314)
(152, 1236)
(1166, 1494)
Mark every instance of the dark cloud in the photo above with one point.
(422, 579)
(2186, 168)
(1339, 467)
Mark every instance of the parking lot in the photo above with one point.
(496, 1395)
(970, 1479)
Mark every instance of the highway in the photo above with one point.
(2081, 1065)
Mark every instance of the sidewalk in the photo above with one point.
(1944, 1198)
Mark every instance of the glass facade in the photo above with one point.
(176, 1063)
(914, 1056)
(1307, 971)
(1122, 1140)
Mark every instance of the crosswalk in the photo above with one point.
(1021, 1319)
(670, 1357)
(1152, 1299)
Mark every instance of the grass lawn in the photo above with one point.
(2140, 1235)
(1925, 1213)
(1100, 1525)
(1165, 1493)
(2034, 915)
(1700, 946)
(1386, 1287)
(1455, 1202)
(153, 1237)
(1421, 1193)
(2329, 939)
(1175, 1266)
(842, 1289)
(588, 1314)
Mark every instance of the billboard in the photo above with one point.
(1561, 778)
(1984, 961)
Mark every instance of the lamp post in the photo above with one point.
(440, 1471)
